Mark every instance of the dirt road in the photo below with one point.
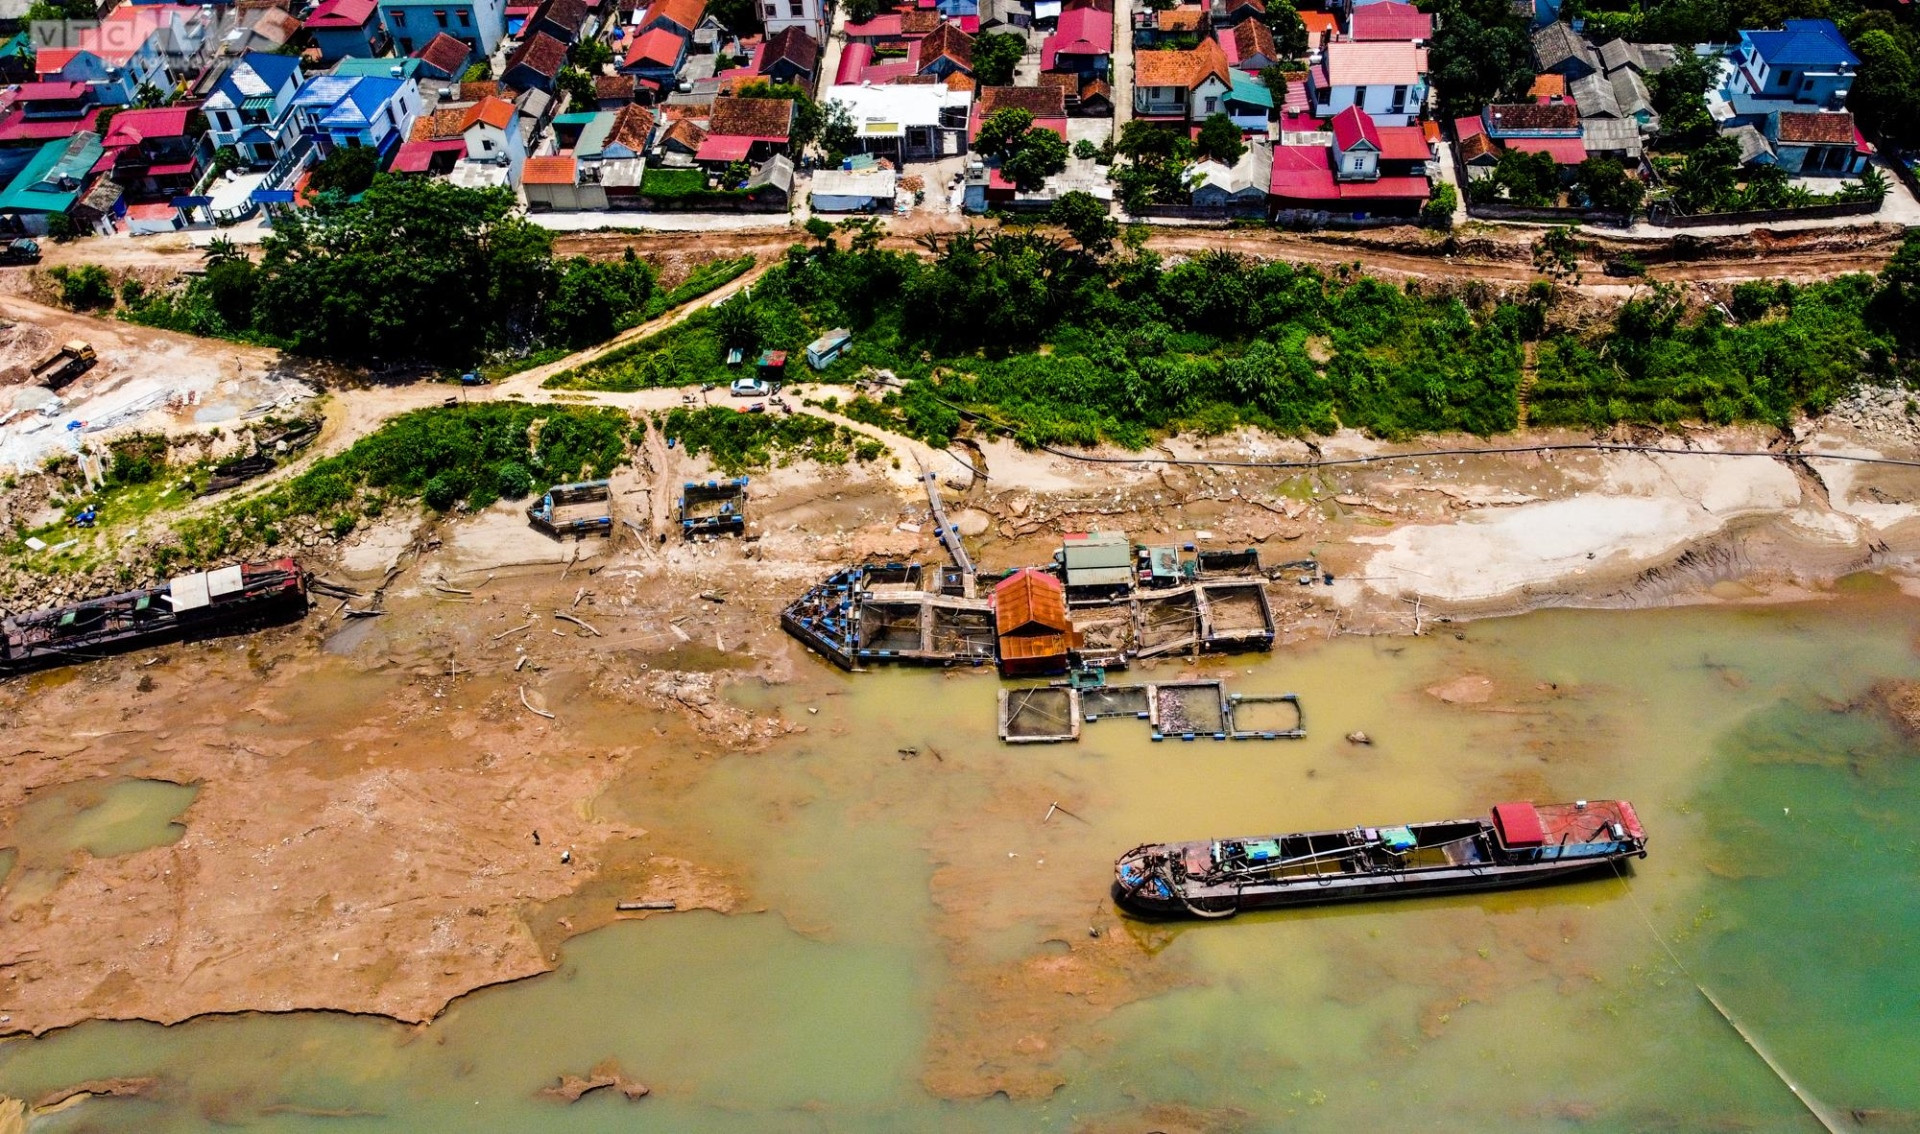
(1479, 252)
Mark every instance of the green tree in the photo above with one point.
(1039, 155)
(414, 268)
(1678, 94)
(1703, 183)
(1086, 219)
(838, 135)
(1885, 96)
(1156, 169)
(229, 287)
(84, 287)
(1002, 130)
(348, 170)
(577, 85)
(1605, 184)
(1220, 140)
(1529, 179)
(741, 17)
(590, 298)
(1438, 211)
(1289, 31)
(1481, 53)
(590, 55)
(995, 56)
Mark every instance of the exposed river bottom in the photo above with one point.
(922, 946)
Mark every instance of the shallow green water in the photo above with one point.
(102, 817)
(903, 890)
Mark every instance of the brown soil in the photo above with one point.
(1899, 702)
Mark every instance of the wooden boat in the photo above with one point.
(201, 604)
(1519, 844)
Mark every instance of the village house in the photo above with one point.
(1387, 80)
(907, 122)
(134, 46)
(1080, 45)
(807, 15)
(1239, 189)
(444, 58)
(790, 55)
(1250, 47)
(654, 58)
(746, 129)
(1389, 21)
(51, 183)
(1806, 65)
(1181, 85)
(152, 153)
(480, 24)
(248, 108)
(340, 112)
(1356, 168)
(535, 64)
(1817, 144)
(342, 28)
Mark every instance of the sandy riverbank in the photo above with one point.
(365, 835)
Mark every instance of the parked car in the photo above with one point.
(21, 251)
(749, 388)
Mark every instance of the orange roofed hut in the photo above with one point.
(1031, 623)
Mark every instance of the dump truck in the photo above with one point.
(65, 363)
(20, 251)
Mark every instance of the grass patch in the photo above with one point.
(444, 457)
(738, 442)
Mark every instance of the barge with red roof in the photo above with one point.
(196, 605)
(1519, 844)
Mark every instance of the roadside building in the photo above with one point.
(912, 122)
(1816, 144)
(1387, 80)
(853, 191)
(52, 182)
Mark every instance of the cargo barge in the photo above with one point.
(1519, 844)
(203, 604)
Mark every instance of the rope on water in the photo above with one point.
(1814, 1106)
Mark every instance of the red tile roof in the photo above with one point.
(543, 55)
(1564, 151)
(553, 169)
(770, 118)
(793, 45)
(661, 45)
(632, 127)
(1252, 38)
(342, 14)
(445, 54)
(681, 13)
(1389, 20)
(1352, 64)
(1811, 128)
(494, 112)
(950, 42)
(1353, 126)
(1041, 102)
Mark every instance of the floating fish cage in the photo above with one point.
(871, 614)
(1045, 714)
(1111, 701)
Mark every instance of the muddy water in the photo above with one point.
(936, 953)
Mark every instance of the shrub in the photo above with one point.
(83, 288)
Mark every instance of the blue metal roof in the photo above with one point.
(1803, 43)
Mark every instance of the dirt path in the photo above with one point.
(1482, 252)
